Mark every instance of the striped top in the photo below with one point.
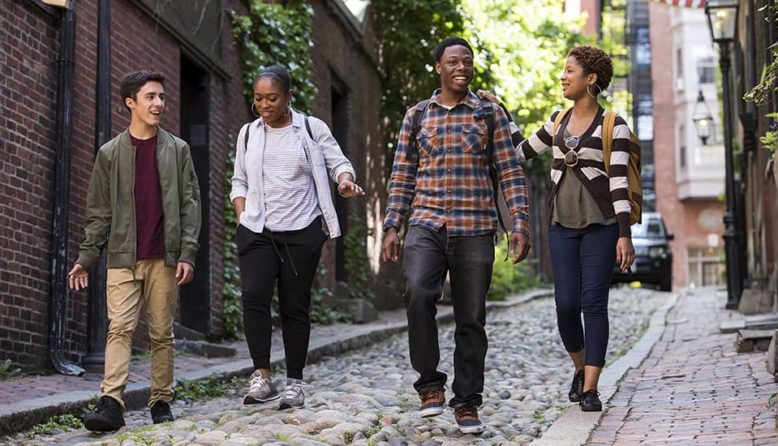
(290, 194)
(610, 193)
(446, 181)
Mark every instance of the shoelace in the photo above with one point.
(104, 405)
(293, 391)
(432, 395)
(257, 382)
(466, 411)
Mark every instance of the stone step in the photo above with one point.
(753, 340)
(756, 322)
(202, 348)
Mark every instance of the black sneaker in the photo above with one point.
(590, 401)
(576, 388)
(107, 418)
(160, 412)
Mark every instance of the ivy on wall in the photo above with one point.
(271, 34)
(761, 93)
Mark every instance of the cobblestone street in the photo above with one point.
(366, 396)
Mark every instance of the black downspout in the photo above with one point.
(97, 324)
(59, 257)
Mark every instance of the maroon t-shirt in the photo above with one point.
(149, 217)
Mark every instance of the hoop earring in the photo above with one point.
(253, 112)
(590, 93)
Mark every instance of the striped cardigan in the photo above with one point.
(610, 193)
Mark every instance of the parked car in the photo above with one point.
(653, 258)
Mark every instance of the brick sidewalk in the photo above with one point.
(693, 388)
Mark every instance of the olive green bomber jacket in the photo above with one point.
(110, 214)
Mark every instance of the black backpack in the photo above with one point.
(488, 116)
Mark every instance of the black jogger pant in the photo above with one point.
(288, 260)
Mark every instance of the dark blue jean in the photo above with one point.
(582, 260)
(427, 256)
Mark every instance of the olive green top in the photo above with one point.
(574, 206)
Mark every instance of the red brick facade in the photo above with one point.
(28, 54)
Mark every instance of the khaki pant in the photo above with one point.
(153, 283)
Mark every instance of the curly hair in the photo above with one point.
(594, 60)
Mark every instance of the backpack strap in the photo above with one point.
(608, 123)
(489, 118)
(558, 121)
(246, 138)
(418, 114)
(488, 108)
(308, 128)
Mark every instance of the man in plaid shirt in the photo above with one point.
(443, 180)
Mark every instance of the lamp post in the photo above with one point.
(703, 120)
(722, 19)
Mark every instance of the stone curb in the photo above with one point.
(26, 414)
(574, 427)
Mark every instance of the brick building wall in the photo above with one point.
(28, 54)
(760, 190)
(665, 181)
(344, 57)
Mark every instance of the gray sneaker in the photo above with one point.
(261, 390)
(294, 398)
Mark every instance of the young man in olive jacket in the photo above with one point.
(144, 202)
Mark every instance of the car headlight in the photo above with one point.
(641, 251)
(657, 251)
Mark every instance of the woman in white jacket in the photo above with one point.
(281, 195)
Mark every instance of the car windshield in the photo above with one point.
(650, 228)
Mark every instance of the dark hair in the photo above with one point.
(133, 82)
(279, 74)
(594, 60)
(447, 42)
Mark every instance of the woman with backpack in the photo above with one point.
(280, 190)
(590, 213)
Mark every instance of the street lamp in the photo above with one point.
(703, 121)
(722, 19)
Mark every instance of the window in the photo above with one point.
(706, 70)
(706, 266)
(357, 8)
(682, 147)
(679, 63)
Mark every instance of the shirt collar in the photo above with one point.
(471, 100)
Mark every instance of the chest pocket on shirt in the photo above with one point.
(427, 141)
(473, 138)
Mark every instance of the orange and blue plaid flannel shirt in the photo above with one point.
(446, 180)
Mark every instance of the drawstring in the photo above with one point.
(278, 253)
(291, 260)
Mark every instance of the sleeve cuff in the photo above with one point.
(188, 256)
(344, 169)
(392, 220)
(624, 227)
(521, 224)
(86, 260)
(237, 193)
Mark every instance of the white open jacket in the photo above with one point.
(323, 152)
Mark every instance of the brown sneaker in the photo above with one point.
(467, 419)
(432, 402)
